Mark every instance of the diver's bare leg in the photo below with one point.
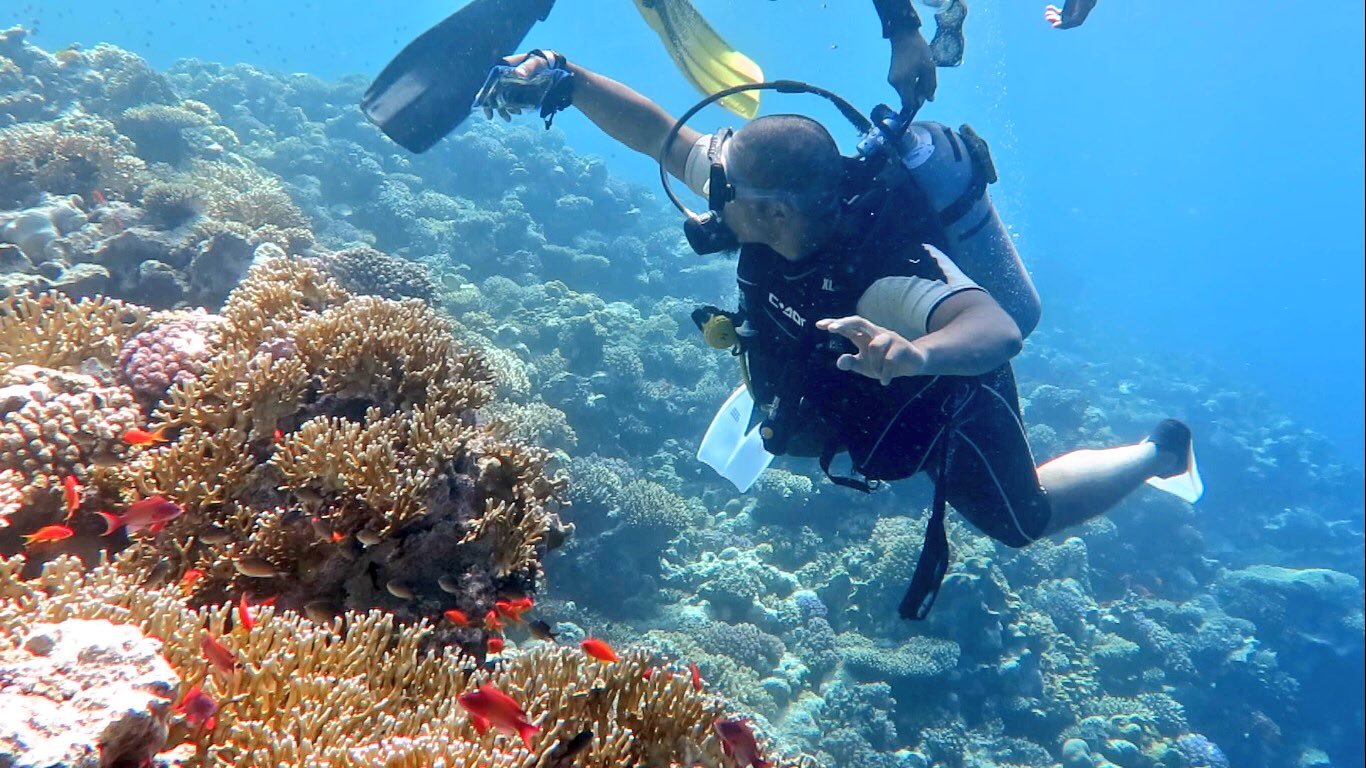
(1087, 483)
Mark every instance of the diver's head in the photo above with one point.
(786, 171)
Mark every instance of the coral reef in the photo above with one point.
(361, 691)
(1160, 637)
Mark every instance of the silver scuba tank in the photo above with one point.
(953, 170)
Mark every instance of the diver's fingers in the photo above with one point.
(488, 111)
(503, 113)
(853, 328)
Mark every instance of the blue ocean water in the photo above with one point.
(1187, 180)
(1187, 187)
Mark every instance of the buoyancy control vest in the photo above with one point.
(807, 405)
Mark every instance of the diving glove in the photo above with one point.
(509, 90)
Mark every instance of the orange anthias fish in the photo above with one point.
(143, 437)
(513, 609)
(489, 706)
(457, 617)
(198, 708)
(491, 621)
(151, 513)
(71, 495)
(244, 617)
(497, 644)
(598, 649)
(737, 741)
(190, 579)
(48, 533)
(696, 676)
(218, 655)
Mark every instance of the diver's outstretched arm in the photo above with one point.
(629, 117)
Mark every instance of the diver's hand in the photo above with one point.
(499, 92)
(882, 354)
(1071, 14)
(912, 71)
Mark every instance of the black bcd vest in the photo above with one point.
(807, 405)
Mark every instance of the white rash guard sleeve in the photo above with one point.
(697, 170)
(904, 304)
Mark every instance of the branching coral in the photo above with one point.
(52, 330)
(75, 155)
(330, 449)
(362, 691)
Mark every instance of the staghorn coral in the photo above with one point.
(330, 447)
(52, 330)
(363, 691)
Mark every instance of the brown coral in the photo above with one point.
(364, 691)
(75, 155)
(52, 330)
(330, 446)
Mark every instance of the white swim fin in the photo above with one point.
(1186, 486)
(735, 452)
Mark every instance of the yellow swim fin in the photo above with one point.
(708, 61)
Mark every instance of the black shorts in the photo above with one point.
(991, 476)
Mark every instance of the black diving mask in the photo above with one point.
(707, 232)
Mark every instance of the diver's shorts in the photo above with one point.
(991, 476)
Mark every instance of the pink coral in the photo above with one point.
(169, 353)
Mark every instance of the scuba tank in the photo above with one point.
(953, 170)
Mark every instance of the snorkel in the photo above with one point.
(707, 232)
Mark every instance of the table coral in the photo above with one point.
(363, 691)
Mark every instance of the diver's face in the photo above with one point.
(771, 223)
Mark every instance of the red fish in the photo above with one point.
(190, 579)
(598, 649)
(489, 706)
(648, 673)
(457, 617)
(696, 676)
(491, 621)
(218, 655)
(151, 513)
(513, 609)
(99, 198)
(48, 533)
(71, 494)
(142, 437)
(277, 436)
(497, 644)
(198, 708)
(244, 617)
(737, 741)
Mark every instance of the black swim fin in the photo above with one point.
(429, 88)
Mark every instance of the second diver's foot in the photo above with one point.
(1173, 441)
(947, 46)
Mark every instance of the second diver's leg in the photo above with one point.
(1087, 483)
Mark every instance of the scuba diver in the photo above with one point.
(880, 305)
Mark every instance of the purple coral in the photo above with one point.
(169, 353)
(810, 604)
(1200, 752)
